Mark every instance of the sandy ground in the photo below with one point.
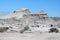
(30, 36)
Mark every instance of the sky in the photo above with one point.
(51, 7)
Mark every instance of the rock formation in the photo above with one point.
(20, 18)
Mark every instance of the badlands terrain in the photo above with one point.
(25, 25)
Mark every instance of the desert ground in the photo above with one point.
(29, 36)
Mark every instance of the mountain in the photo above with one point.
(56, 18)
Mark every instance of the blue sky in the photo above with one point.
(52, 7)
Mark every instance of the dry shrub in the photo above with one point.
(3, 29)
(24, 29)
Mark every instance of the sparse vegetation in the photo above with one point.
(24, 29)
(2, 29)
(54, 30)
